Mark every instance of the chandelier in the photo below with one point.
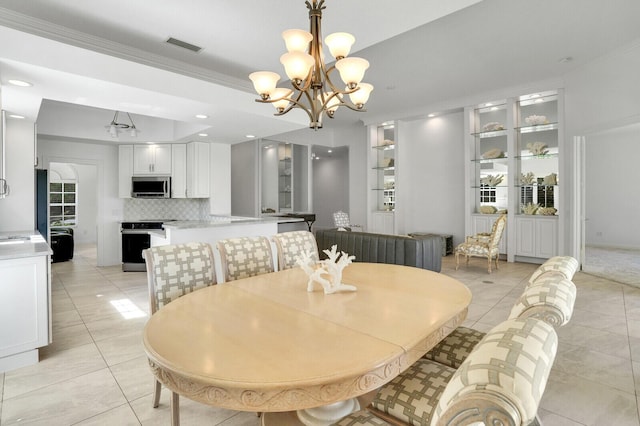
(114, 127)
(313, 91)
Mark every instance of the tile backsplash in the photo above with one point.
(166, 209)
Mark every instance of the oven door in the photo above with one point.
(133, 242)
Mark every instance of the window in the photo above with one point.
(487, 193)
(62, 203)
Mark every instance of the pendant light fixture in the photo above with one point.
(312, 89)
(115, 127)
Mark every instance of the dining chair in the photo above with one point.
(551, 300)
(245, 257)
(290, 245)
(483, 244)
(173, 271)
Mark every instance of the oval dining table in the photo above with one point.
(266, 344)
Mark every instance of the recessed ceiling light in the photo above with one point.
(494, 108)
(488, 104)
(201, 116)
(17, 116)
(431, 115)
(250, 136)
(203, 134)
(20, 83)
(329, 151)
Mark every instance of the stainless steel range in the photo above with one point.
(135, 238)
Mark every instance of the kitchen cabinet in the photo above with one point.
(382, 223)
(152, 159)
(178, 171)
(125, 170)
(24, 309)
(198, 165)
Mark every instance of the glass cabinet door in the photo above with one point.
(490, 158)
(536, 178)
(384, 185)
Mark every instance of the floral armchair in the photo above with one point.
(483, 244)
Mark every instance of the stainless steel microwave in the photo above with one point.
(151, 187)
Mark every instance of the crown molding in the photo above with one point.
(45, 29)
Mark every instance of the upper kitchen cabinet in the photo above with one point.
(152, 159)
(125, 170)
(198, 166)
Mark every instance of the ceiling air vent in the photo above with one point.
(184, 44)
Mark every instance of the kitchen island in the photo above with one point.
(218, 228)
(25, 298)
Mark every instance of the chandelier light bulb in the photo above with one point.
(340, 44)
(113, 131)
(297, 65)
(361, 96)
(264, 82)
(297, 40)
(281, 98)
(352, 70)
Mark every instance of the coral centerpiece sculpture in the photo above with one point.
(328, 272)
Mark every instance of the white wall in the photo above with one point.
(17, 208)
(110, 207)
(612, 206)
(599, 96)
(220, 188)
(430, 181)
(330, 188)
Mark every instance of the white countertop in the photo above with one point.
(19, 244)
(226, 221)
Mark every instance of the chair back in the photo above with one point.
(245, 257)
(341, 219)
(551, 299)
(178, 269)
(291, 244)
(504, 377)
(497, 230)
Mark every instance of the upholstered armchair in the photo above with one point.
(483, 244)
(173, 271)
(291, 244)
(341, 220)
(245, 257)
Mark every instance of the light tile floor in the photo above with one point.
(95, 372)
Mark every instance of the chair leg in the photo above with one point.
(156, 394)
(457, 260)
(175, 409)
(489, 259)
(497, 256)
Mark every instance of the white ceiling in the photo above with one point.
(424, 54)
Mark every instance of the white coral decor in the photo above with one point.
(328, 272)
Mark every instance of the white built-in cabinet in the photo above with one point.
(152, 159)
(25, 314)
(513, 156)
(188, 166)
(178, 171)
(198, 165)
(125, 170)
(382, 162)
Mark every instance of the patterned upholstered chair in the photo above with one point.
(501, 382)
(564, 266)
(291, 244)
(551, 300)
(245, 257)
(483, 244)
(173, 271)
(341, 220)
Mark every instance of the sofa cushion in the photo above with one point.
(422, 252)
